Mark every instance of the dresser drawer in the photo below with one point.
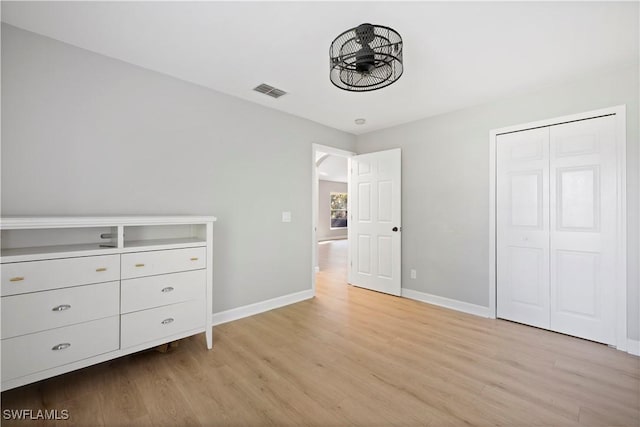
(154, 324)
(155, 291)
(139, 264)
(28, 313)
(24, 277)
(44, 350)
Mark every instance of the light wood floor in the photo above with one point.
(354, 357)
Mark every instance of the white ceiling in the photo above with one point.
(457, 54)
(333, 168)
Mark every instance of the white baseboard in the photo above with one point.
(633, 347)
(453, 304)
(260, 307)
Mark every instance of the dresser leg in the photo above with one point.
(209, 334)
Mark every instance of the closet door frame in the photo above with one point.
(621, 207)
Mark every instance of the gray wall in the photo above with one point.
(85, 134)
(445, 178)
(325, 188)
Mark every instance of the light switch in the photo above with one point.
(286, 216)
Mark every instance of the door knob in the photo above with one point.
(394, 229)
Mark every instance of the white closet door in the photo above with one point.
(583, 228)
(523, 227)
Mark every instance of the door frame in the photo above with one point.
(621, 205)
(314, 201)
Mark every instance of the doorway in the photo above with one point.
(374, 213)
(330, 207)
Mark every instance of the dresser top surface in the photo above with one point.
(23, 222)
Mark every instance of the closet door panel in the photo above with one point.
(583, 228)
(523, 227)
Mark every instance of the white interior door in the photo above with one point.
(374, 221)
(583, 229)
(522, 225)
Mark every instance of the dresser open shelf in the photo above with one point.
(31, 253)
(19, 242)
(82, 290)
(160, 236)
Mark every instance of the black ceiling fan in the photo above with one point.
(366, 58)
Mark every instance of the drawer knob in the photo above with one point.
(195, 258)
(101, 269)
(62, 346)
(16, 279)
(139, 265)
(167, 289)
(62, 307)
(167, 321)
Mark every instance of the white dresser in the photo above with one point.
(76, 291)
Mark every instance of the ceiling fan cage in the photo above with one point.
(366, 58)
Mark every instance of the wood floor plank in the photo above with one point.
(352, 357)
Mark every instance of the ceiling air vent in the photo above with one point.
(269, 90)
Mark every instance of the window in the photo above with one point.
(338, 210)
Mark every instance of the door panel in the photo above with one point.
(578, 193)
(574, 139)
(523, 227)
(576, 287)
(364, 255)
(525, 274)
(526, 195)
(375, 211)
(385, 257)
(583, 229)
(385, 203)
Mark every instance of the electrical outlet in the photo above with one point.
(286, 216)
(413, 274)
